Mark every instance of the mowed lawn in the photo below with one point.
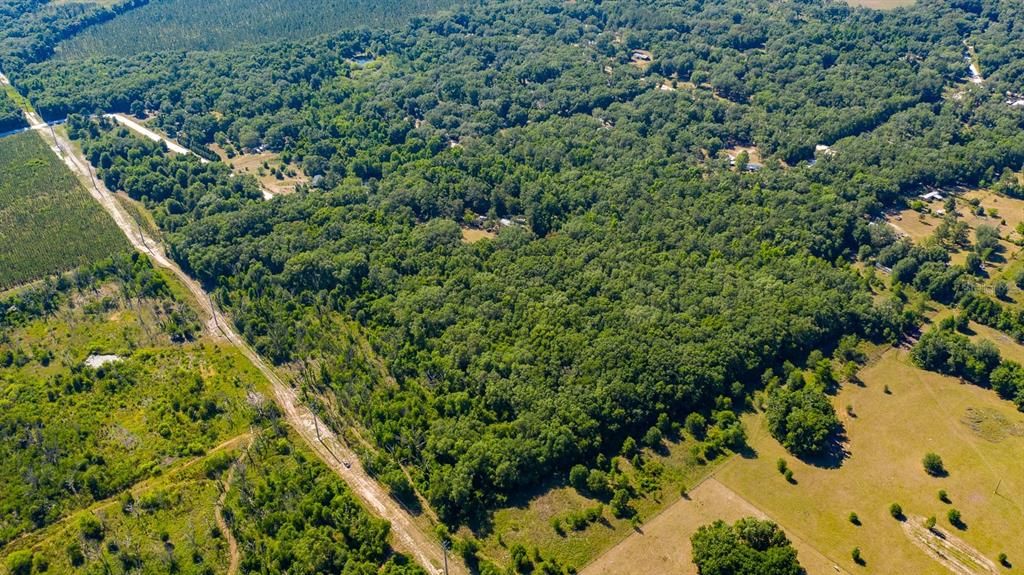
(48, 222)
(888, 436)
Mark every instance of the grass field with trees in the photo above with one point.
(48, 222)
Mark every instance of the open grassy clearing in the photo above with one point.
(662, 545)
(1001, 212)
(263, 166)
(473, 235)
(530, 522)
(888, 435)
(48, 223)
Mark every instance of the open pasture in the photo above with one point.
(888, 434)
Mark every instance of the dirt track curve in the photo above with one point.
(409, 538)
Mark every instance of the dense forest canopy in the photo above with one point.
(635, 276)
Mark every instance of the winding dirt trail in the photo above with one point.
(218, 514)
(409, 537)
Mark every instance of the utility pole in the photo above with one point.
(446, 545)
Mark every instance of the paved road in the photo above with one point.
(409, 537)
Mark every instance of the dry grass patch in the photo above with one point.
(663, 544)
(888, 434)
(473, 235)
(529, 522)
(262, 166)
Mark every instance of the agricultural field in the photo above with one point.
(200, 25)
(48, 223)
(888, 434)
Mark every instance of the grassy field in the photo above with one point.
(48, 223)
(889, 433)
(203, 25)
(662, 544)
(529, 522)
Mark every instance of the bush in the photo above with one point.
(929, 523)
(90, 527)
(1004, 560)
(896, 511)
(855, 554)
(854, 519)
(578, 477)
(933, 465)
(954, 518)
(943, 496)
(696, 425)
(20, 563)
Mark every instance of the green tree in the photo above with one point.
(933, 465)
(20, 563)
(748, 547)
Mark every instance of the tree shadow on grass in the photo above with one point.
(834, 454)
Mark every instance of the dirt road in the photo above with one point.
(409, 538)
(151, 135)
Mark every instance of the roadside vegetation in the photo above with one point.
(48, 222)
(10, 115)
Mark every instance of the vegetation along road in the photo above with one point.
(408, 536)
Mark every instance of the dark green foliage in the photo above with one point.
(749, 547)
(10, 115)
(944, 497)
(953, 515)
(854, 519)
(696, 425)
(946, 351)
(20, 563)
(803, 421)
(186, 25)
(291, 510)
(600, 307)
(896, 511)
(933, 465)
(856, 556)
